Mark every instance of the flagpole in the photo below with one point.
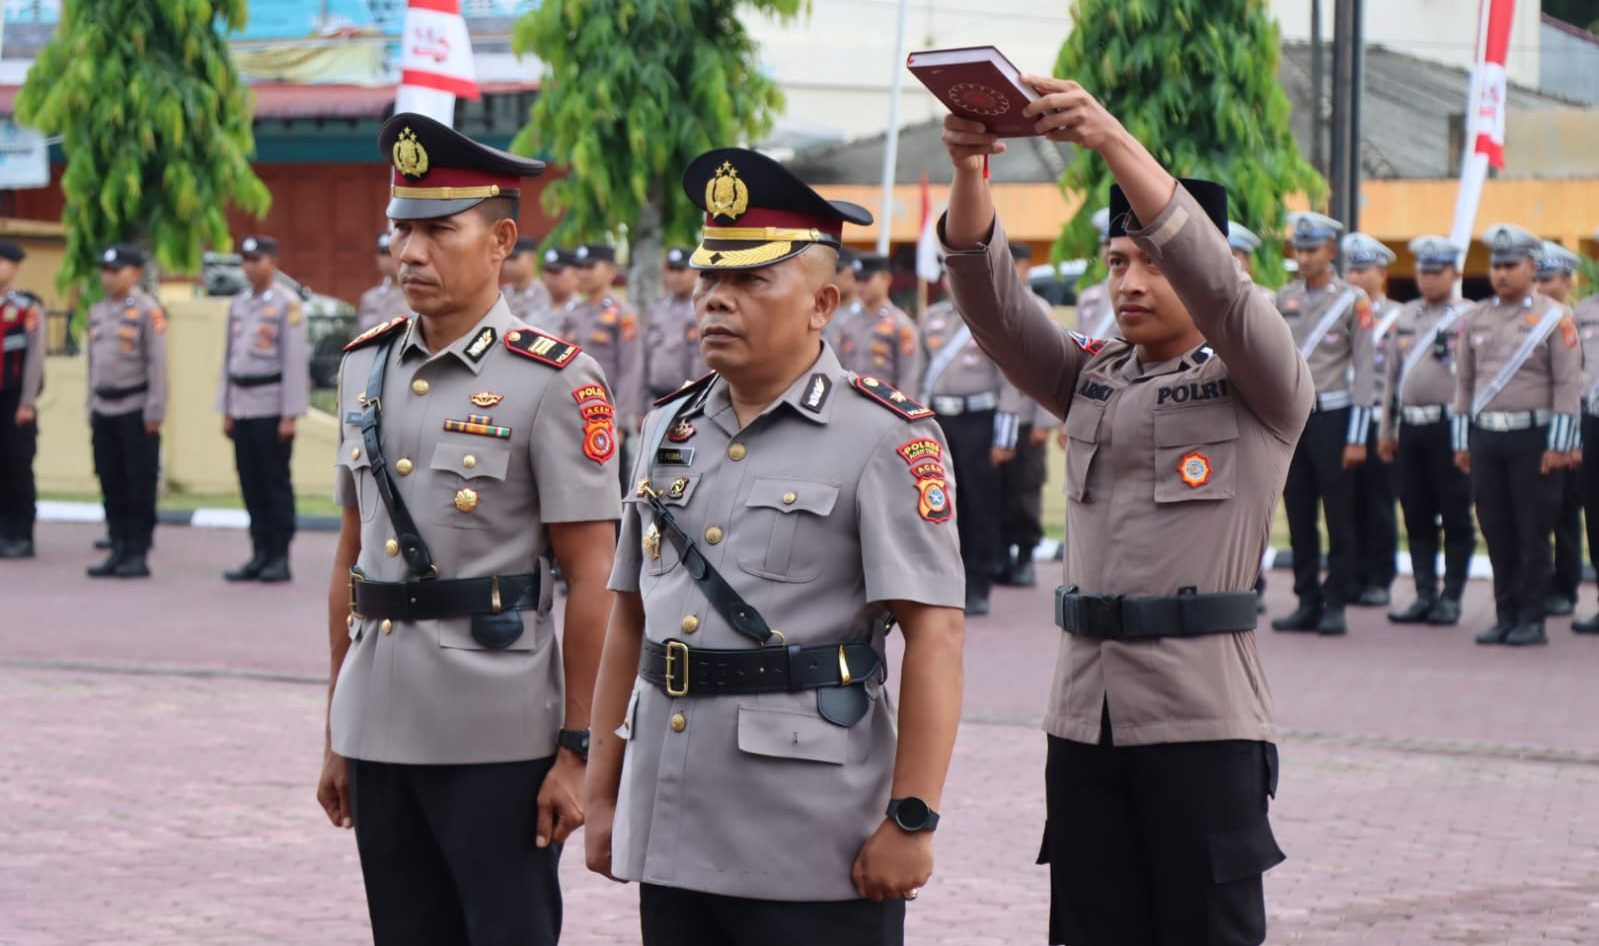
(885, 218)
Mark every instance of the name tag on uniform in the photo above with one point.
(674, 456)
(352, 417)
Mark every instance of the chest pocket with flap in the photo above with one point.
(1196, 453)
(465, 469)
(1082, 441)
(779, 536)
(665, 556)
(359, 466)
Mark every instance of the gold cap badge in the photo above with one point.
(725, 195)
(410, 158)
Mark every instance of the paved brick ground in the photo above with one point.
(160, 741)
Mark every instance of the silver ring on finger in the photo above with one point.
(913, 893)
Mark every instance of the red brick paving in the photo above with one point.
(1433, 792)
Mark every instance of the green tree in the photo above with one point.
(632, 91)
(155, 123)
(1196, 82)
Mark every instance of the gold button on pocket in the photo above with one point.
(679, 722)
(403, 466)
(789, 498)
(387, 626)
(713, 535)
(419, 387)
(690, 624)
(737, 452)
(391, 548)
(469, 461)
(355, 454)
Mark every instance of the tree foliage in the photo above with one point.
(633, 90)
(1196, 82)
(155, 123)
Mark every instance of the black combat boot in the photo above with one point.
(1021, 573)
(107, 568)
(1530, 634)
(133, 564)
(250, 570)
(1307, 617)
(1332, 622)
(276, 567)
(1445, 612)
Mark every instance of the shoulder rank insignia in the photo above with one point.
(689, 387)
(534, 344)
(375, 332)
(891, 397)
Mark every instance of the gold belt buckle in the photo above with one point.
(676, 653)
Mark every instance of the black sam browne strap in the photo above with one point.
(417, 556)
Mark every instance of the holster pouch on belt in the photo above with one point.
(497, 631)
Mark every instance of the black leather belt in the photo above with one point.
(443, 598)
(254, 380)
(680, 670)
(113, 394)
(1186, 614)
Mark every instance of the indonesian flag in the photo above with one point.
(1485, 114)
(436, 63)
(927, 241)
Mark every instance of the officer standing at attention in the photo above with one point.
(524, 291)
(1587, 318)
(1021, 481)
(266, 380)
(1366, 262)
(1096, 313)
(1332, 322)
(21, 378)
(1518, 390)
(1417, 391)
(977, 410)
(674, 349)
(1181, 430)
(473, 449)
(1556, 268)
(560, 288)
(788, 514)
(127, 354)
(385, 301)
(880, 340)
(607, 328)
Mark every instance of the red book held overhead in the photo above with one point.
(979, 83)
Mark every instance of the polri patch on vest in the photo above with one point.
(674, 456)
(1192, 391)
(480, 346)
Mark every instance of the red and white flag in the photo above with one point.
(1485, 114)
(927, 268)
(436, 64)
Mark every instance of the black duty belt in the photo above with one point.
(443, 598)
(113, 394)
(680, 670)
(254, 380)
(1185, 614)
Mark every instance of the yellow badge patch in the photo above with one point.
(486, 399)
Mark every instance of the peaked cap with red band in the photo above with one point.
(758, 213)
(439, 172)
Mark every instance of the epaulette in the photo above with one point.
(375, 332)
(689, 387)
(534, 344)
(891, 397)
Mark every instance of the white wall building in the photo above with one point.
(836, 65)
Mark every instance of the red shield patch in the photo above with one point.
(1194, 469)
(599, 422)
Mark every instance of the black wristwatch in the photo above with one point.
(912, 814)
(575, 740)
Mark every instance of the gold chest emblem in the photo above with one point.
(652, 542)
(410, 158)
(466, 500)
(726, 195)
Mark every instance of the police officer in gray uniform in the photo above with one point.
(473, 449)
(788, 515)
(21, 379)
(1366, 262)
(265, 386)
(560, 290)
(879, 339)
(1418, 388)
(1096, 310)
(524, 291)
(1518, 387)
(1332, 322)
(127, 391)
(1556, 268)
(1181, 432)
(608, 329)
(1587, 318)
(979, 412)
(385, 301)
(674, 335)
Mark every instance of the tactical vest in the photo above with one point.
(13, 340)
